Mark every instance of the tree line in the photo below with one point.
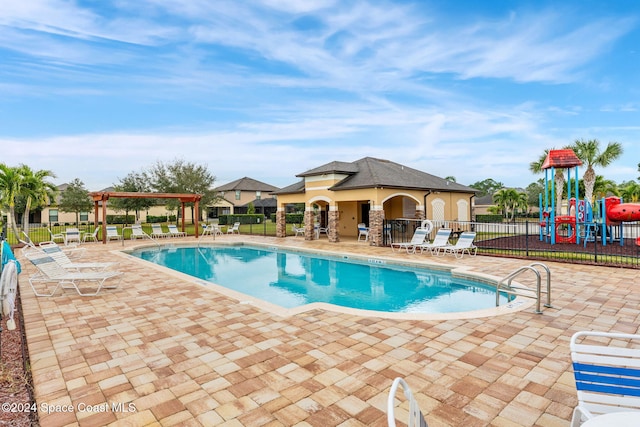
(23, 190)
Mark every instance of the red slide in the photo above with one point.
(618, 212)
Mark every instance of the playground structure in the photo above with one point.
(580, 224)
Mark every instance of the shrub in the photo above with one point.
(291, 218)
(489, 218)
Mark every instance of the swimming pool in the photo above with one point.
(292, 279)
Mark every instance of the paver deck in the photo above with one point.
(162, 350)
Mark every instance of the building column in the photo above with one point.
(333, 224)
(420, 212)
(309, 222)
(376, 224)
(281, 222)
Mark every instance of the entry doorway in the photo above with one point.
(364, 213)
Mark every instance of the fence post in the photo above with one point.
(595, 247)
(526, 237)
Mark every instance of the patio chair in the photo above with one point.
(157, 231)
(56, 237)
(91, 236)
(363, 231)
(418, 239)
(234, 229)
(211, 229)
(415, 419)
(61, 257)
(606, 367)
(299, 231)
(138, 233)
(464, 244)
(440, 240)
(49, 271)
(112, 233)
(174, 232)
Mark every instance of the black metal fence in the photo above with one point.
(586, 243)
(615, 245)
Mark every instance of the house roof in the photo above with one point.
(297, 187)
(246, 184)
(269, 202)
(370, 172)
(333, 167)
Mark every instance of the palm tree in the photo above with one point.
(510, 200)
(604, 187)
(590, 154)
(631, 192)
(536, 167)
(36, 190)
(10, 188)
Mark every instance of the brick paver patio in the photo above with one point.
(162, 350)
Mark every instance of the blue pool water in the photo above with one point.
(292, 279)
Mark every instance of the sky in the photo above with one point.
(98, 89)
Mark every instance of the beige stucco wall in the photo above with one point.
(396, 203)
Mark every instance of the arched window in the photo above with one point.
(437, 209)
(463, 210)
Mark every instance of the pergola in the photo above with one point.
(103, 196)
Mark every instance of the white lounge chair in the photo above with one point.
(418, 239)
(234, 229)
(441, 240)
(157, 231)
(174, 232)
(138, 233)
(416, 419)
(91, 236)
(49, 271)
(112, 233)
(61, 257)
(73, 253)
(606, 366)
(363, 231)
(299, 231)
(464, 244)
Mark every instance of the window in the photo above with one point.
(258, 195)
(238, 192)
(84, 216)
(53, 215)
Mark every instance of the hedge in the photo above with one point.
(291, 218)
(489, 218)
(241, 218)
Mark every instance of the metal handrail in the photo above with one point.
(131, 228)
(505, 285)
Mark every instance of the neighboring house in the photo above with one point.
(339, 195)
(51, 214)
(482, 204)
(236, 196)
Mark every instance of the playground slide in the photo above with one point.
(618, 212)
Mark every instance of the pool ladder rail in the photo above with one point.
(505, 285)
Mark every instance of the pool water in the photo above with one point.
(293, 279)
